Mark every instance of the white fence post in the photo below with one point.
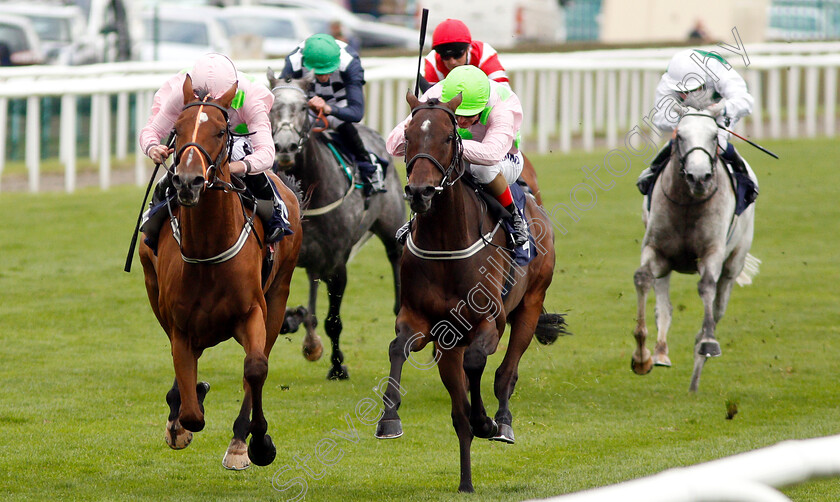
(104, 140)
(67, 141)
(830, 98)
(33, 141)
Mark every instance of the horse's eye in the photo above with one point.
(221, 133)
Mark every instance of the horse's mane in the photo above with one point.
(201, 93)
(291, 182)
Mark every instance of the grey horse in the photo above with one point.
(690, 228)
(335, 223)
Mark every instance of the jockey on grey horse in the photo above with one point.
(705, 81)
(337, 92)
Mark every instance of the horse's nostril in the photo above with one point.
(708, 177)
(198, 181)
(428, 191)
(176, 181)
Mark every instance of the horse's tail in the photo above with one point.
(749, 271)
(550, 327)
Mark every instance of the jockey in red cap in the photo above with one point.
(453, 46)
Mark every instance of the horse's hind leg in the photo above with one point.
(332, 324)
(236, 455)
(312, 347)
(664, 310)
(641, 361)
(176, 436)
(523, 323)
(475, 360)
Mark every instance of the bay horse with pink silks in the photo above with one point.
(205, 285)
(460, 286)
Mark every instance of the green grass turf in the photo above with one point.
(84, 366)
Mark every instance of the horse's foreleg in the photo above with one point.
(312, 347)
(451, 369)
(332, 324)
(408, 340)
(261, 450)
(185, 359)
(664, 310)
(523, 323)
(710, 271)
(475, 360)
(641, 361)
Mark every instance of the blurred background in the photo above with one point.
(77, 76)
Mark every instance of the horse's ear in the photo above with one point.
(272, 80)
(227, 97)
(189, 94)
(413, 101)
(307, 80)
(455, 102)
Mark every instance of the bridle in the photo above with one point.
(211, 170)
(302, 133)
(713, 158)
(458, 146)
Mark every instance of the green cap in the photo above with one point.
(473, 85)
(321, 54)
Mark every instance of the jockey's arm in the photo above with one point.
(255, 113)
(355, 109)
(664, 115)
(395, 142)
(739, 102)
(496, 143)
(166, 106)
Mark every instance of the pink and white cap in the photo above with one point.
(214, 72)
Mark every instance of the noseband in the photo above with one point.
(213, 165)
(303, 133)
(456, 156)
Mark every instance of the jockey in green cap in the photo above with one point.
(488, 120)
(337, 92)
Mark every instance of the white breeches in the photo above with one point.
(510, 167)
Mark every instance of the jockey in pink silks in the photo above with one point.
(489, 118)
(251, 155)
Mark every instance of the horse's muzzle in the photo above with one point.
(699, 185)
(188, 187)
(419, 197)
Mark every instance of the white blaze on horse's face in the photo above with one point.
(203, 118)
(697, 147)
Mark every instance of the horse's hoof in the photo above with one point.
(505, 434)
(466, 488)
(389, 429)
(177, 437)
(313, 352)
(201, 389)
(236, 456)
(662, 360)
(338, 373)
(710, 348)
(641, 368)
(488, 429)
(262, 452)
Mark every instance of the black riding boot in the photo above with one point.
(373, 178)
(649, 175)
(260, 186)
(520, 230)
(152, 222)
(734, 159)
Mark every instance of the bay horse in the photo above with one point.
(460, 285)
(691, 228)
(336, 222)
(205, 285)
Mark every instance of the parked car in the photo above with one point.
(369, 32)
(175, 33)
(281, 30)
(20, 43)
(61, 29)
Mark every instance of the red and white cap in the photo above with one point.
(214, 72)
(451, 31)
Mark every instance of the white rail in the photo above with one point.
(570, 99)
(748, 477)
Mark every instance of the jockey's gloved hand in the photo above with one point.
(717, 109)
